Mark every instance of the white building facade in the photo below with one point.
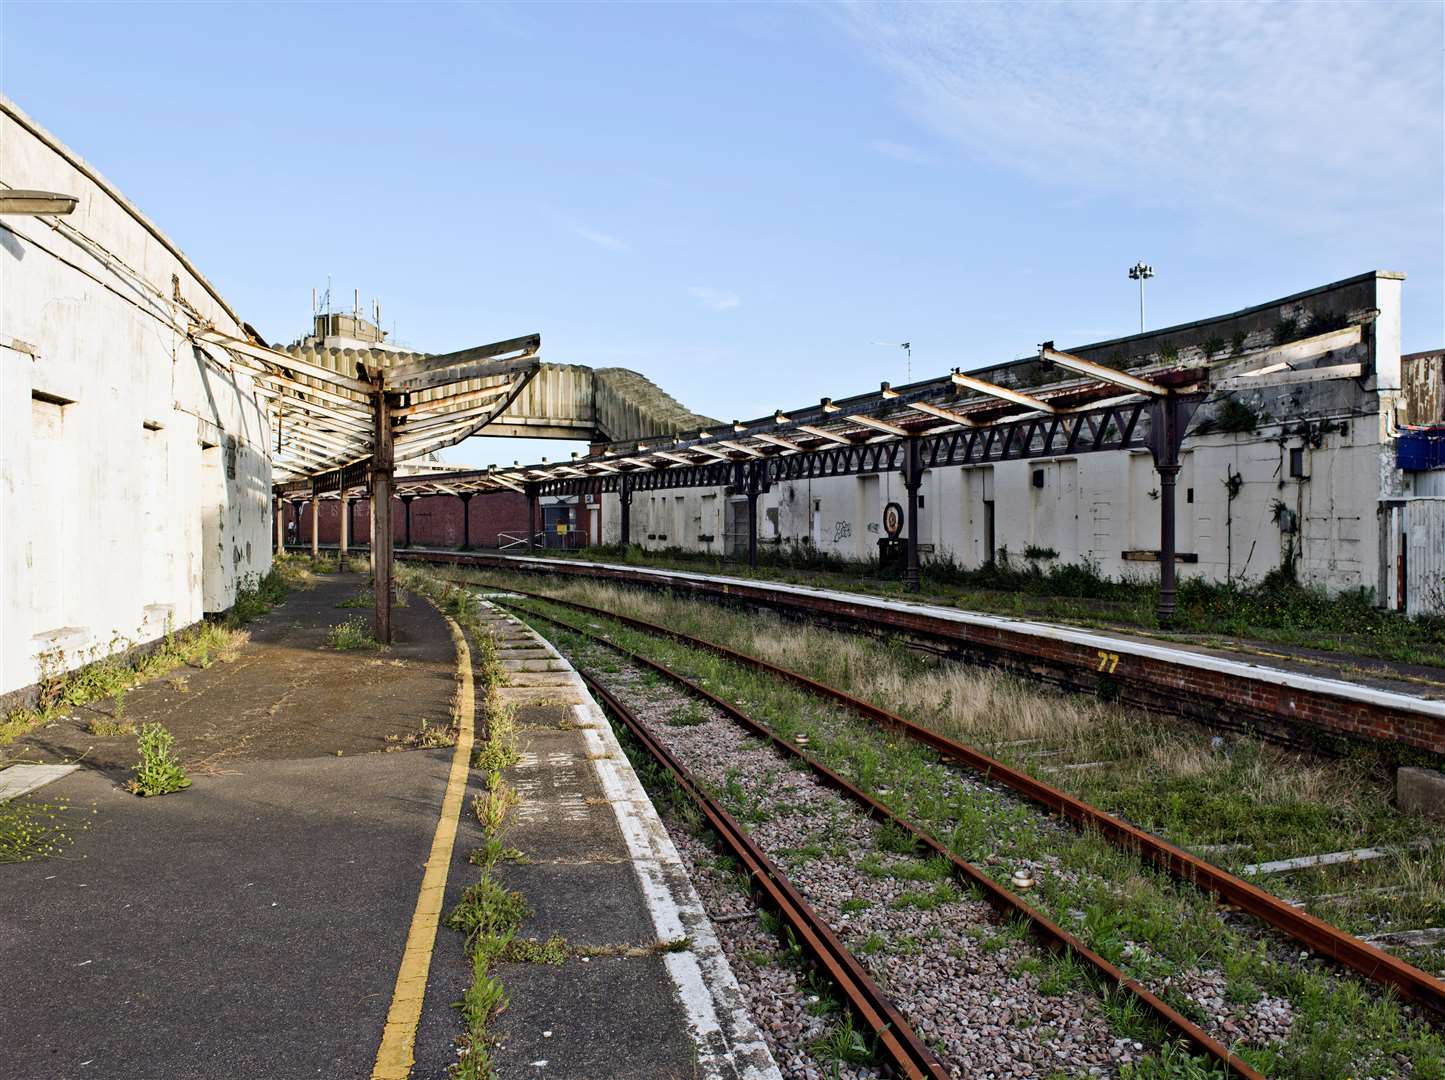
(1291, 459)
(134, 479)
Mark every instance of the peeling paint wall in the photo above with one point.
(134, 481)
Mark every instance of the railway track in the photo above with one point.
(1305, 711)
(1314, 934)
(1048, 934)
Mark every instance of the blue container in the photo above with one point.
(1420, 451)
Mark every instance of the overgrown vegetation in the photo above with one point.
(34, 830)
(488, 913)
(159, 771)
(1246, 799)
(353, 633)
(1275, 609)
(111, 671)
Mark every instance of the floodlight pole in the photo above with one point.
(1141, 272)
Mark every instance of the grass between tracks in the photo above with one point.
(1276, 609)
(1165, 776)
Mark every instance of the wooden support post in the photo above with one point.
(382, 468)
(406, 511)
(343, 527)
(466, 498)
(912, 478)
(315, 526)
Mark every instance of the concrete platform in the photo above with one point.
(253, 925)
(285, 695)
(656, 998)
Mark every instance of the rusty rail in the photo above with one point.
(1282, 709)
(1316, 934)
(906, 1052)
(1045, 931)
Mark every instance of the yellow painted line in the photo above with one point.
(396, 1054)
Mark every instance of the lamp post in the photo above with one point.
(907, 347)
(1141, 272)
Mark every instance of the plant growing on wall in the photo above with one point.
(1238, 339)
(1232, 482)
(1213, 347)
(1235, 417)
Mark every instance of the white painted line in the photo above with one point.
(1367, 695)
(20, 779)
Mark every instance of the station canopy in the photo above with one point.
(327, 406)
(1053, 404)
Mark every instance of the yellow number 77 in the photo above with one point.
(1108, 661)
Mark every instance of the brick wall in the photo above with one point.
(436, 520)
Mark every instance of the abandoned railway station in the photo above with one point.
(1079, 713)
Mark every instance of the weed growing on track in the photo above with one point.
(1145, 922)
(159, 772)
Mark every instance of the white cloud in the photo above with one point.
(717, 299)
(899, 151)
(1315, 115)
(602, 239)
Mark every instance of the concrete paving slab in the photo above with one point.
(21, 779)
(603, 872)
(588, 1033)
(539, 678)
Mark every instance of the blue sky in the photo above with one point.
(737, 200)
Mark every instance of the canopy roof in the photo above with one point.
(323, 405)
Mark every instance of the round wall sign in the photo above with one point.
(893, 520)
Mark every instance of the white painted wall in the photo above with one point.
(1100, 506)
(134, 482)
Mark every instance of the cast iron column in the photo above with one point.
(1168, 474)
(466, 498)
(912, 477)
(531, 517)
(280, 508)
(343, 530)
(1169, 416)
(624, 502)
(752, 517)
(406, 512)
(382, 467)
(315, 525)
